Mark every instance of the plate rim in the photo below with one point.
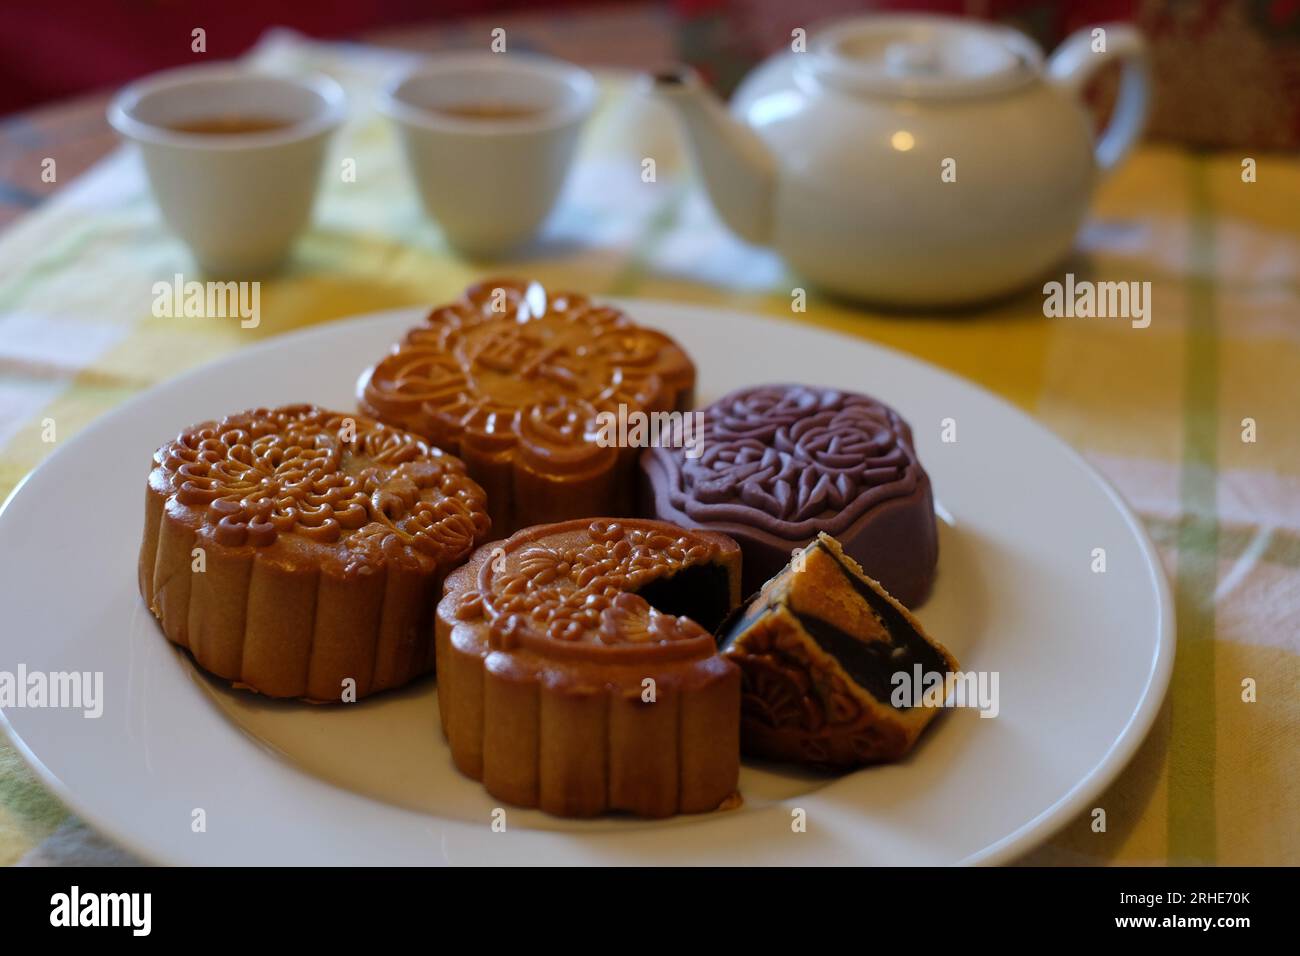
(1029, 835)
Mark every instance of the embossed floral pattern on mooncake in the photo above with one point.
(513, 379)
(783, 463)
(577, 671)
(796, 454)
(327, 477)
(583, 593)
(300, 552)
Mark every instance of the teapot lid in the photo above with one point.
(923, 56)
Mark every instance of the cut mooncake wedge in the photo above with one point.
(818, 649)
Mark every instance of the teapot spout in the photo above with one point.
(739, 171)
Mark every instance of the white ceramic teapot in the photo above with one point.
(914, 160)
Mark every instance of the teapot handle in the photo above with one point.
(1075, 62)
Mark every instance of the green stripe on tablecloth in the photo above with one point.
(1192, 760)
(23, 798)
(1269, 545)
(52, 256)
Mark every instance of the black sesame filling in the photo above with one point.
(870, 664)
(701, 592)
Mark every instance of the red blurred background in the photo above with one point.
(59, 48)
(1227, 71)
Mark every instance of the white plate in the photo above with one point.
(1083, 658)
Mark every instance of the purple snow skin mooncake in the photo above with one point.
(779, 464)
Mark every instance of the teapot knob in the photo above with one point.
(912, 59)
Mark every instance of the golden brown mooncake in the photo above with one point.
(294, 549)
(818, 648)
(577, 671)
(511, 378)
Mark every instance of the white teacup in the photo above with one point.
(237, 194)
(489, 138)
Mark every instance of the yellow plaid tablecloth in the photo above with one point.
(1159, 410)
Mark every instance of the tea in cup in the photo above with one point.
(489, 139)
(233, 157)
